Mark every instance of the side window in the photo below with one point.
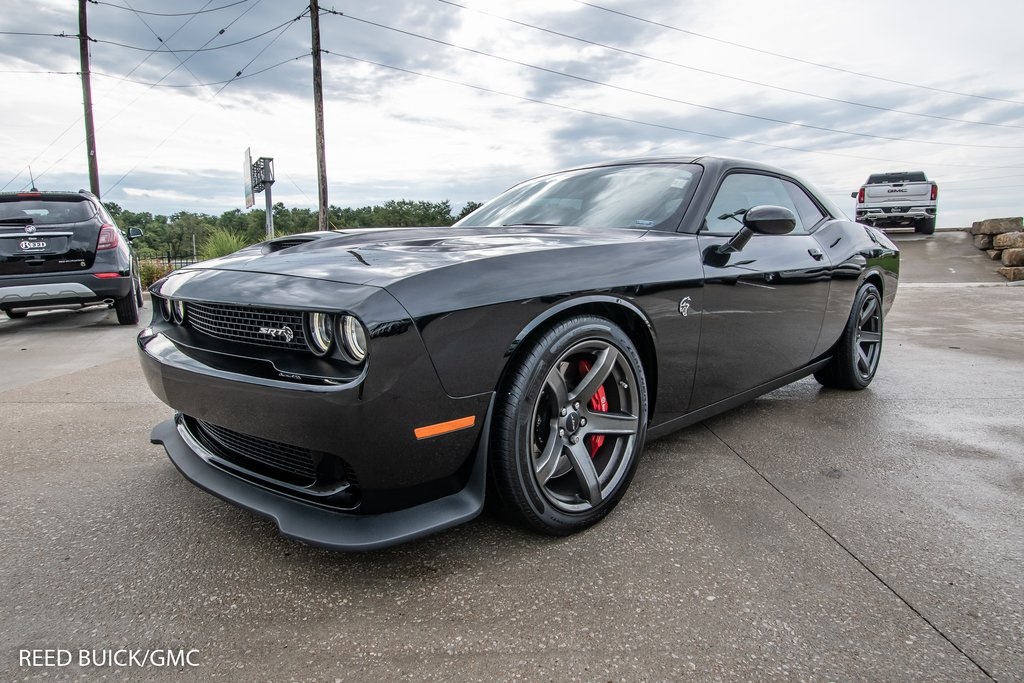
(742, 191)
(808, 212)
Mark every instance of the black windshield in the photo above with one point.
(641, 196)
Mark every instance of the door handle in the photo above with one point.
(815, 254)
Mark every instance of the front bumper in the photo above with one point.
(317, 525)
(345, 457)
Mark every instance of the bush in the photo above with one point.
(151, 271)
(221, 242)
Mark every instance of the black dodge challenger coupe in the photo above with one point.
(366, 387)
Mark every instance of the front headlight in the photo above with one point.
(165, 308)
(353, 338)
(321, 333)
(178, 311)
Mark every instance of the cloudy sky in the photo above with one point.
(459, 99)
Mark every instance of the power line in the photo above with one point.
(284, 27)
(77, 120)
(238, 75)
(709, 72)
(169, 14)
(130, 104)
(660, 126)
(790, 57)
(197, 85)
(45, 35)
(664, 98)
(193, 50)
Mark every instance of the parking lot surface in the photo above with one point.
(809, 535)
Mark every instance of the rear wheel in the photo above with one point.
(16, 315)
(925, 226)
(569, 426)
(127, 308)
(855, 358)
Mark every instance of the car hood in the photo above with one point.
(381, 257)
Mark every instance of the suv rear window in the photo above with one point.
(46, 211)
(903, 177)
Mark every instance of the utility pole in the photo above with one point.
(318, 110)
(90, 131)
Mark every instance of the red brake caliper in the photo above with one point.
(598, 404)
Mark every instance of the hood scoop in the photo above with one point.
(283, 243)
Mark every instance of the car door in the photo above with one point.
(763, 306)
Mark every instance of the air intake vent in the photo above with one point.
(288, 243)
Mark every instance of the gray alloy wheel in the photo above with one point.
(571, 426)
(855, 358)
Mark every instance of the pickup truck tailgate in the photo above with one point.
(897, 193)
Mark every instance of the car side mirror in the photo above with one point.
(853, 195)
(134, 233)
(763, 220)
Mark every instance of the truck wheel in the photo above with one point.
(925, 226)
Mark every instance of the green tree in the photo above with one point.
(469, 208)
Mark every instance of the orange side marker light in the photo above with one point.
(444, 427)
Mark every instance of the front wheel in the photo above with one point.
(856, 355)
(570, 423)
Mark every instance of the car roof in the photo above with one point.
(47, 194)
(702, 159)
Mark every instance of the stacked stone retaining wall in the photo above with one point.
(1003, 240)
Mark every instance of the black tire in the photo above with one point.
(127, 308)
(856, 355)
(138, 291)
(16, 315)
(925, 226)
(569, 426)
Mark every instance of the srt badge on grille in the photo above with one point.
(285, 333)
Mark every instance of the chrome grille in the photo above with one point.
(294, 460)
(242, 323)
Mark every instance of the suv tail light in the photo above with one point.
(935, 192)
(860, 195)
(108, 238)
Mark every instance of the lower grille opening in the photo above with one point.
(324, 477)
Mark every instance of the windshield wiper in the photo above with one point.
(18, 219)
(532, 225)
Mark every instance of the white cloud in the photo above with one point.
(392, 134)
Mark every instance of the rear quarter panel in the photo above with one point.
(855, 258)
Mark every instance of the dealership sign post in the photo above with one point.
(259, 176)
